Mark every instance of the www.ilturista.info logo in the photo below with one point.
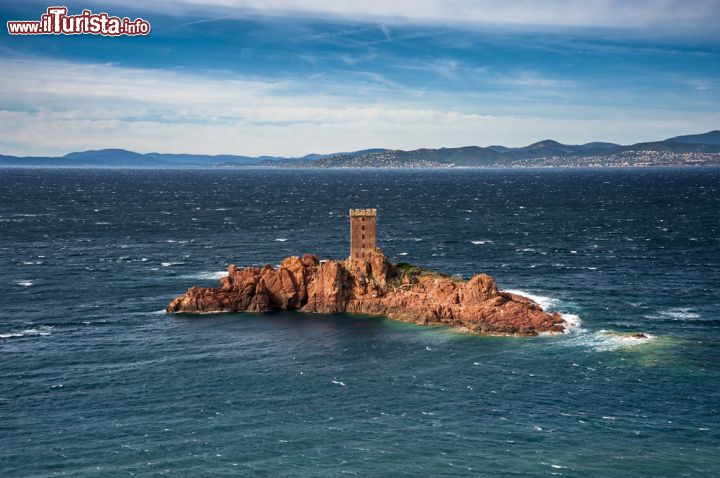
(56, 21)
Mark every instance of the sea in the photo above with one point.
(96, 380)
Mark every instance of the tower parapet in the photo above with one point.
(362, 233)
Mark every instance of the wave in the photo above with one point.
(607, 340)
(24, 283)
(543, 301)
(206, 275)
(602, 340)
(280, 239)
(572, 323)
(40, 331)
(679, 313)
(477, 243)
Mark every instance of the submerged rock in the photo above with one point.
(372, 286)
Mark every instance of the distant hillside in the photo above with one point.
(698, 149)
(712, 137)
(303, 161)
(120, 158)
(682, 150)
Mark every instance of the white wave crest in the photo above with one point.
(543, 301)
(606, 340)
(207, 275)
(572, 323)
(680, 313)
(40, 331)
(24, 283)
(11, 334)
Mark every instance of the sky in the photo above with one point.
(293, 77)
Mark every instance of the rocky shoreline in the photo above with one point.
(375, 287)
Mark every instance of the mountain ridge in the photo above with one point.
(679, 150)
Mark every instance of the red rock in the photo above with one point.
(373, 287)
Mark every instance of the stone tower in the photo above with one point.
(362, 233)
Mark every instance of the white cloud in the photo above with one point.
(564, 13)
(103, 106)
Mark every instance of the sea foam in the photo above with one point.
(543, 301)
(573, 322)
(602, 340)
(680, 313)
(207, 275)
(40, 331)
(606, 340)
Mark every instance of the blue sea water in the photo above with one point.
(98, 381)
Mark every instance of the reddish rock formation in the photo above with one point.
(373, 287)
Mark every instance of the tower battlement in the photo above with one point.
(362, 233)
(363, 212)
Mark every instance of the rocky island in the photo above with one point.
(367, 283)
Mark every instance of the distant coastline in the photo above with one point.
(690, 150)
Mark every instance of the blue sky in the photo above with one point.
(294, 77)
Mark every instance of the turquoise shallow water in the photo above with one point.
(98, 381)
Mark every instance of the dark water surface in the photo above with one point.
(98, 381)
